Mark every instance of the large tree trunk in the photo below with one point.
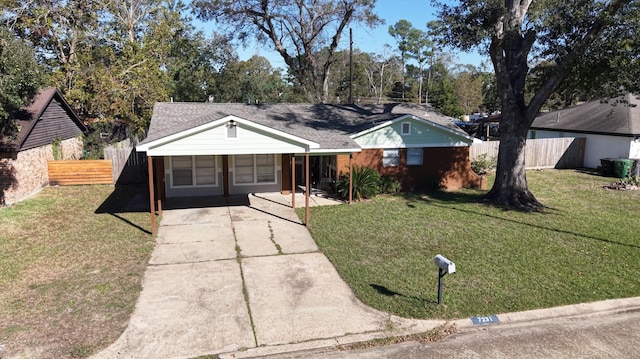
(509, 50)
(510, 188)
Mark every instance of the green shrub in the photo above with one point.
(483, 164)
(365, 183)
(56, 147)
(389, 184)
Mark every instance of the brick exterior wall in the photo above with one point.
(24, 173)
(447, 168)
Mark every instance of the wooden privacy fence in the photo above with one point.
(567, 152)
(74, 172)
(129, 166)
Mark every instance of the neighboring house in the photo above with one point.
(225, 149)
(611, 127)
(47, 126)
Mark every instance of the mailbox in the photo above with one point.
(445, 265)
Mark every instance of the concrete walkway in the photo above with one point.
(244, 278)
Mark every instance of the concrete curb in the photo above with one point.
(565, 311)
(400, 327)
(315, 345)
(409, 326)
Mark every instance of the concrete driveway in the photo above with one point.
(244, 278)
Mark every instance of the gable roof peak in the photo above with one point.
(28, 116)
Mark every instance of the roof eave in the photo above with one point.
(334, 151)
(145, 147)
(537, 128)
(415, 118)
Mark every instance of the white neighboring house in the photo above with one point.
(611, 127)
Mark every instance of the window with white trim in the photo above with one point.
(205, 170)
(414, 156)
(391, 157)
(193, 171)
(406, 128)
(182, 174)
(243, 169)
(254, 169)
(265, 168)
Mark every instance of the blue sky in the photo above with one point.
(418, 12)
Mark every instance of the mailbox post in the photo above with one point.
(445, 267)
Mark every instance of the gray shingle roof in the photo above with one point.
(617, 116)
(328, 125)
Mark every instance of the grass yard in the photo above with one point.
(71, 266)
(584, 247)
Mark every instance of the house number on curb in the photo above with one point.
(490, 319)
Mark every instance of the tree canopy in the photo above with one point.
(20, 79)
(114, 59)
(413, 44)
(306, 34)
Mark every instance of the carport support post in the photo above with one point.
(152, 206)
(350, 179)
(293, 180)
(159, 168)
(306, 193)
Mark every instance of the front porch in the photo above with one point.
(293, 195)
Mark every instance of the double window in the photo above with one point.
(254, 169)
(193, 171)
(391, 157)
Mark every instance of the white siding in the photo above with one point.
(215, 142)
(634, 151)
(597, 146)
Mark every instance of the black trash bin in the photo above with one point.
(607, 166)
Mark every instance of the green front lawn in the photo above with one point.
(71, 266)
(584, 247)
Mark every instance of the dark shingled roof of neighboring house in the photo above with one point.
(328, 125)
(27, 118)
(617, 116)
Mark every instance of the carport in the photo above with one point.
(193, 152)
